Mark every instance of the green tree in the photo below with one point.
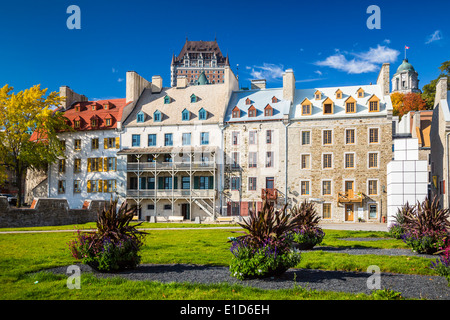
(429, 90)
(19, 113)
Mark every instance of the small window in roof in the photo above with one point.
(185, 115)
(248, 101)
(202, 114)
(157, 116)
(274, 99)
(252, 111)
(236, 113)
(167, 99)
(338, 94)
(194, 98)
(268, 111)
(360, 93)
(328, 106)
(306, 107)
(140, 117)
(374, 104)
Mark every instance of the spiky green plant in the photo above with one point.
(306, 214)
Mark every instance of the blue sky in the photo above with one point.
(327, 43)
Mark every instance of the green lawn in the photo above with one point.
(29, 252)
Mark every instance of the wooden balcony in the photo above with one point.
(270, 194)
(350, 197)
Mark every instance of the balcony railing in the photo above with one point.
(168, 193)
(271, 194)
(350, 197)
(148, 166)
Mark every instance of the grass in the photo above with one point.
(22, 254)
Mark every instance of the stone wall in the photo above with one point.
(47, 212)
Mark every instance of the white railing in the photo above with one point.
(168, 193)
(146, 166)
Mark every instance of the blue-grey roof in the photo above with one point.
(260, 98)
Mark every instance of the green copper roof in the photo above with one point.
(405, 66)
(202, 79)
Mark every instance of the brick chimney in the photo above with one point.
(288, 85)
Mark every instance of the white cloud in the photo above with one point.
(309, 80)
(120, 79)
(318, 72)
(436, 36)
(387, 41)
(114, 70)
(363, 62)
(268, 71)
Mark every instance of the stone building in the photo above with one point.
(339, 143)
(199, 59)
(255, 146)
(440, 144)
(172, 147)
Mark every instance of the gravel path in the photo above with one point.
(411, 286)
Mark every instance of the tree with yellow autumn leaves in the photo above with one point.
(28, 111)
(404, 103)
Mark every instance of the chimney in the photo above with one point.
(71, 97)
(288, 85)
(182, 82)
(383, 79)
(258, 84)
(156, 84)
(441, 91)
(135, 85)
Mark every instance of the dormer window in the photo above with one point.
(274, 99)
(306, 107)
(185, 115)
(202, 114)
(108, 122)
(140, 117)
(76, 124)
(374, 104)
(350, 105)
(106, 106)
(94, 122)
(318, 95)
(252, 111)
(167, 99)
(338, 94)
(157, 116)
(268, 111)
(360, 93)
(236, 113)
(328, 106)
(194, 98)
(248, 101)
(94, 106)
(77, 108)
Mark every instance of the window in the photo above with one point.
(372, 211)
(167, 99)
(305, 161)
(252, 137)
(194, 98)
(61, 186)
(152, 140)
(185, 183)
(168, 139)
(150, 207)
(94, 144)
(111, 164)
(235, 138)
(204, 138)
(157, 116)
(110, 185)
(326, 210)
(236, 113)
(77, 124)
(328, 108)
(252, 159)
(202, 114)
(94, 122)
(274, 99)
(373, 106)
(252, 111)
(167, 207)
(269, 134)
(140, 116)
(304, 188)
(349, 160)
(318, 95)
(350, 136)
(350, 107)
(251, 183)
(77, 186)
(326, 188)
(62, 166)
(185, 115)
(327, 161)
(268, 111)
(269, 159)
(135, 140)
(306, 109)
(110, 143)
(306, 137)
(235, 159)
(94, 164)
(77, 166)
(339, 94)
(373, 135)
(235, 183)
(373, 160)
(235, 209)
(186, 139)
(373, 187)
(248, 101)
(360, 93)
(327, 137)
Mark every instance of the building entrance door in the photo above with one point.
(349, 212)
(185, 211)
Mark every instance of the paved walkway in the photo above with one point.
(355, 226)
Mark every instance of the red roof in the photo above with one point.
(99, 110)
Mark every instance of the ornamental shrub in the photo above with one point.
(307, 232)
(115, 245)
(442, 265)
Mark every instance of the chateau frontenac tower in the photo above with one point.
(405, 80)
